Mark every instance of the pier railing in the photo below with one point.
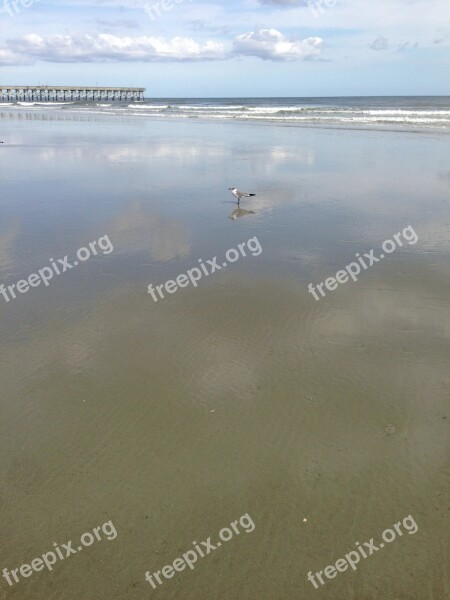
(44, 93)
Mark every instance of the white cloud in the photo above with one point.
(118, 23)
(271, 44)
(284, 3)
(9, 58)
(103, 47)
(268, 44)
(381, 43)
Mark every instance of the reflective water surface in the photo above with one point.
(326, 421)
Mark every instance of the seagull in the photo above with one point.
(239, 194)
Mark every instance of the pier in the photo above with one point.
(51, 93)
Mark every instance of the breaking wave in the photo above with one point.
(432, 113)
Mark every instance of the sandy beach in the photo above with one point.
(326, 421)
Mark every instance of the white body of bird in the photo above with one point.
(238, 194)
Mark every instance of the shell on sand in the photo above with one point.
(389, 429)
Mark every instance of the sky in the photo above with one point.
(234, 48)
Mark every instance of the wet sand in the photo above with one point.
(243, 395)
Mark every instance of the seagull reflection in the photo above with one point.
(240, 212)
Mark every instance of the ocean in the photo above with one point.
(417, 112)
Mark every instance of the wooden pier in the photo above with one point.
(51, 93)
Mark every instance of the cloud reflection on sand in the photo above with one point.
(109, 397)
(7, 239)
(139, 228)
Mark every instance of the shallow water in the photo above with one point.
(243, 395)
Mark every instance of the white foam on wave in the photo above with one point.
(290, 113)
(147, 106)
(53, 103)
(36, 103)
(437, 113)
